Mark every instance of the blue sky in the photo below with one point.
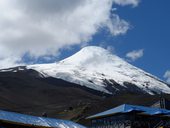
(149, 31)
(150, 21)
(44, 31)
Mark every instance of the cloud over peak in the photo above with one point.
(42, 27)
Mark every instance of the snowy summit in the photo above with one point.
(98, 69)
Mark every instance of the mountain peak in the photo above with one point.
(91, 55)
(94, 49)
(98, 69)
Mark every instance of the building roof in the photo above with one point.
(126, 108)
(21, 119)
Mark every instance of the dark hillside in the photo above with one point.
(26, 92)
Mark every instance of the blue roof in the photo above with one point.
(37, 121)
(125, 108)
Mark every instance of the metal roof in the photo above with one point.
(126, 108)
(36, 121)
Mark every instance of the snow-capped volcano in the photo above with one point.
(98, 69)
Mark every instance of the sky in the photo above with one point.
(45, 31)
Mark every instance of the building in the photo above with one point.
(162, 103)
(16, 120)
(131, 116)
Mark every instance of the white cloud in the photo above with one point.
(117, 26)
(135, 54)
(43, 27)
(127, 2)
(167, 76)
(110, 48)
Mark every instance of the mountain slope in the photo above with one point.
(23, 91)
(73, 88)
(97, 69)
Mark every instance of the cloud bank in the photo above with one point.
(43, 27)
(135, 54)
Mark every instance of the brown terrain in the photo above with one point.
(26, 92)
